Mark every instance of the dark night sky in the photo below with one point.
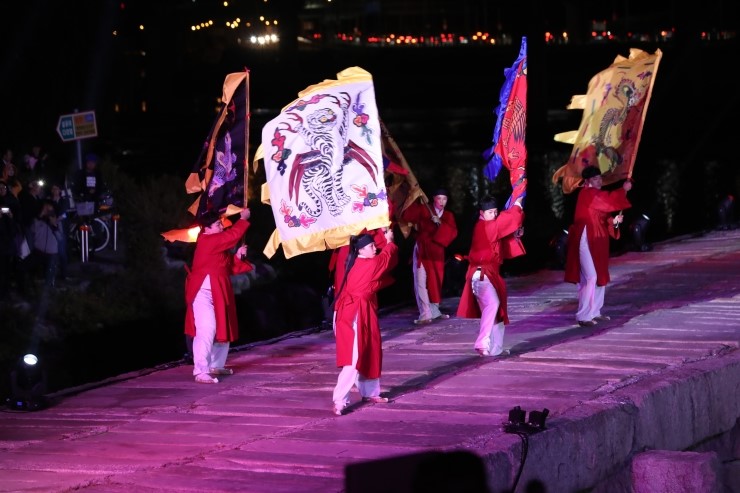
(60, 56)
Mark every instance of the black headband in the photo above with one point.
(363, 240)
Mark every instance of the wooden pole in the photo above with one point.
(247, 118)
(415, 189)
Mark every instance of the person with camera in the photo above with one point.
(8, 230)
(61, 203)
(88, 186)
(210, 318)
(46, 238)
(18, 260)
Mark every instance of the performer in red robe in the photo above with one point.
(339, 256)
(211, 309)
(484, 294)
(587, 260)
(435, 230)
(356, 328)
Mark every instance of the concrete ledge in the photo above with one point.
(670, 410)
(688, 405)
(660, 471)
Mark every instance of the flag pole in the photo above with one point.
(247, 118)
(411, 178)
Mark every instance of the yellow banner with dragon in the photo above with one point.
(614, 111)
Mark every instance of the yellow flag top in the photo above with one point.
(614, 111)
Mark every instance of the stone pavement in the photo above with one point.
(650, 396)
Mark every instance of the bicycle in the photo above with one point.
(97, 223)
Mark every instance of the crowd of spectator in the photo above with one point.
(37, 200)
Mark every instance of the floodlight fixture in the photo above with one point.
(516, 415)
(559, 248)
(521, 424)
(537, 418)
(639, 229)
(28, 385)
(725, 213)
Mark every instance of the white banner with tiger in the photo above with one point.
(324, 166)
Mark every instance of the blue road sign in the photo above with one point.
(76, 126)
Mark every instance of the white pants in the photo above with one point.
(207, 354)
(349, 377)
(427, 310)
(590, 296)
(491, 334)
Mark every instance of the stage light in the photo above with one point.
(537, 418)
(516, 416)
(533, 424)
(638, 230)
(28, 385)
(559, 248)
(726, 213)
(455, 269)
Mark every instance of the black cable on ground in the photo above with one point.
(525, 449)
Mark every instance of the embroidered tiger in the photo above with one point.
(317, 172)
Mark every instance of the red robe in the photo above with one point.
(492, 243)
(593, 209)
(359, 297)
(339, 257)
(212, 257)
(432, 241)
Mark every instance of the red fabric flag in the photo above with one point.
(508, 147)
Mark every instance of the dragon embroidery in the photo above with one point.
(224, 170)
(614, 119)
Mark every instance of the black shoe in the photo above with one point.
(587, 323)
